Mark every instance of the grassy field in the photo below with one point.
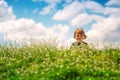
(46, 62)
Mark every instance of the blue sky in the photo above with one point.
(23, 19)
(32, 9)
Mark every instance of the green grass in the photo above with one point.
(42, 61)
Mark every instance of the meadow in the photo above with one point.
(42, 61)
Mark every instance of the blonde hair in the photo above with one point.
(80, 31)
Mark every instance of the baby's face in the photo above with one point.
(78, 36)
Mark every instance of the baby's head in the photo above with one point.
(79, 34)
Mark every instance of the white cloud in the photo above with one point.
(112, 11)
(69, 11)
(60, 33)
(113, 3)
(60, 29)
(106, 30)
(26, 29)
(81, 19)
(48, 9)
(84, 18)
(97, 18)
(76, 9)
(93, 6)
(19, 29)
(6, 12)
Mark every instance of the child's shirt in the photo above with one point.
(79, 44)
